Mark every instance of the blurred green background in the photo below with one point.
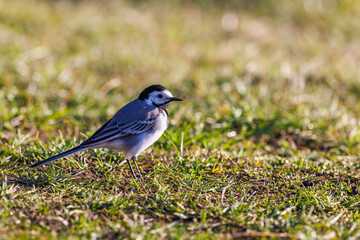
(268, 86)
(80, 61)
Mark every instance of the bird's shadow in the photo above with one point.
(26, 181)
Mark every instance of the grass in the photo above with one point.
(265, 144)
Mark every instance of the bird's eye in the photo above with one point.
(160, 95)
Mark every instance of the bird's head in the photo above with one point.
(158, 96)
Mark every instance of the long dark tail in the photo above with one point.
(60, 155)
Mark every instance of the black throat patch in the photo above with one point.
(145, 94)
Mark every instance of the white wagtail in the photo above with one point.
(135, 127)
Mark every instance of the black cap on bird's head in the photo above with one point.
(158, 96)
(145, 93)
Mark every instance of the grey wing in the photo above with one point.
(117, 127)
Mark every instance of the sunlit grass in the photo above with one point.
(265, 144)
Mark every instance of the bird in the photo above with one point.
(134, 128)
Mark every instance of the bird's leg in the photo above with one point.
(131, 168)
(135, 159)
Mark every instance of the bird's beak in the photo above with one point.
(174, 99)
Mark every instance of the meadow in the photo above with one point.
(265, 144)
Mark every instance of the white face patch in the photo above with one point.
(168, 93)
(159, 97)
